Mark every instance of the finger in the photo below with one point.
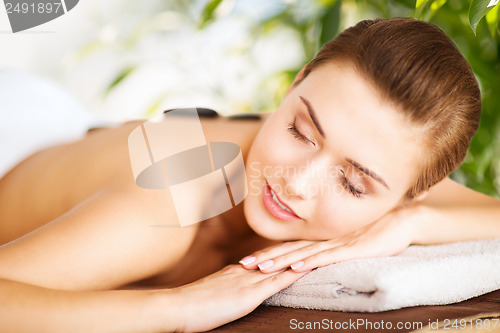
(276, 282)
(327, 257)
(234, 274)
(295, 259)
(252, 261)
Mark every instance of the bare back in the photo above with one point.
(80, 198)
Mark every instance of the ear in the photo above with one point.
(300, 76)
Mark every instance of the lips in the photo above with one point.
(276, 207)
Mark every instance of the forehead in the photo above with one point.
(360, 124)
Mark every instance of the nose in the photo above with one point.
(307, 179)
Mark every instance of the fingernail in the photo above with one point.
(297, 264)
(247, 260)
(266, 264)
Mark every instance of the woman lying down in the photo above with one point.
(381, 115)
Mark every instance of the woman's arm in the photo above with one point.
(452, 212)
(450, 193)
(449, 213)
(105, 242)
(203, 305)
(49, 277)
(446, 224)
(28, 308)
(55, 279)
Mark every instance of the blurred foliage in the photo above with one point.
(472, 25)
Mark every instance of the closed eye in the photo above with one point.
(349, 187)
(296, 134)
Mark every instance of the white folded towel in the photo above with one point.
(420, 275)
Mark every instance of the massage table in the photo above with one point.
(277, 319)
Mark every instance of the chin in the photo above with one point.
(257, 224)
(263, 225)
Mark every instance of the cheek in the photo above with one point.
(274, 146)
(348, 215)
(263, 160)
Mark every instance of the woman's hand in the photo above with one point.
(387, 236)
(224, 296)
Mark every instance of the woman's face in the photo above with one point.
(335, 153)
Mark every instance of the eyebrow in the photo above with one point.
(312, 114)
(357, 165)
(368, 172)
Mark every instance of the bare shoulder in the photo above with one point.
(448, 192)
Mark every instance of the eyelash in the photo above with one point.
(296, 134)
(345, 182)
(349, 187)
